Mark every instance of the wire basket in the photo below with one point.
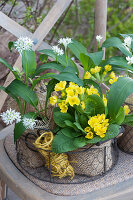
(92, 162)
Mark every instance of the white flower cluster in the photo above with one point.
(23, 43)
(29, 123)
(65, 41)
(130, 60)
(127, 42)
(57, 50)
(10, 116)
(99, 38)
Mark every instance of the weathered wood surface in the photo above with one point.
(2, 190)
(41, 32)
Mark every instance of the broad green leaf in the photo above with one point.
(83, 120)
(46, 66)
(19, 128)
(43, 58)
(96, 57)
(29, 62)
(63, 76)
(59, 118)
(118, 93)
(60, 59)
(119, 61)
(95, 140)
(4, 62)
(85, 61)
(70, 132)
(91, 82)
(77, 48)
(62, 143)
(79, 127)
(116, 42)
(119, 117)
(128, 120)
(70, 124)
(50, 89)
(94, 105)
(19, 89)
(9, 93)
(80, 142)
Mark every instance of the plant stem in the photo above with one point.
(66, 56)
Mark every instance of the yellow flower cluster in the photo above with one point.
(104, 100)
(126, 109)
(95, 70)
(113, 77)
(108, 68)
(87, 75)
(60, 86)
(72, 95)
(99, 124)
(89, 134)
(92, 90)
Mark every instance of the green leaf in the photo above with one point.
(63, 76)
(43, 58)
(80, 142)
(83, 120)
(46, 66)
(128, 120)
(50, 89)
(95, 140)
(77, 48)
(19, 89)
(119, 61)
(19, 128)
(118, 93)
(116, 42)
(60, 118)
(28, 62)
(10, 46)
(70, 124)
(94, 105)
(85, 61)
(96, 57)
(62, 143)
(79, 127)
(70, 132)
(60, 59)
(119, 117)
(91, 82)
(4, 62)
(112, 131)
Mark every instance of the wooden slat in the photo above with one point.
(39, 34)
(2, 190)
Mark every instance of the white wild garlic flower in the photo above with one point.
(130, 60)
(99, 38)
(29, 123)
(65, 41)
(10, 116)
(57, 50)
(127, 41)
(23, 43)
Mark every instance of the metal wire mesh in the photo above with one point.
(91, 162)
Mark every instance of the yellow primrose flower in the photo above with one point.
(126, 109)
(87, 129)
(69, 92)
(73, 100)
(83, 104)
(89, 135)
(112, 75)
(108, 68)
(73, 85)
(95, 70)
(63, 94)
(112, 80)
(92, 90)
(104, 100)
(60, 86)
(63, 106)
(53, 100)
(87, 75)
(80, 90)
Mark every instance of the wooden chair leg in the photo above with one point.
(2, 190)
